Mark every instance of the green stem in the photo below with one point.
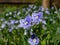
(23, 39)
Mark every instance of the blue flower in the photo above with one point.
(47, 11)
(44, 22)
(26, 23)
(41, 8)
(33, 40)
(3, 25)
(31, 6)
(12, 21)
(37, 17)
(11, 28)
(33, 36)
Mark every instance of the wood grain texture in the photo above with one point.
(17, 1)
(46, 3)
(49, 3)
(56, 3)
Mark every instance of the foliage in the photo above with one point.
(48, 32)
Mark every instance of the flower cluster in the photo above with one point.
(31, 20)
(39, 26)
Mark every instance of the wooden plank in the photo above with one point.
(17, 1)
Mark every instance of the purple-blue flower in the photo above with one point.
(11, 28)
(26, 23)
(41, 8)
(47, 11)
(3, 25)
(12, 21)
(33, 40)
(37, 17)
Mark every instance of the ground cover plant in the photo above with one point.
(29, 25)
